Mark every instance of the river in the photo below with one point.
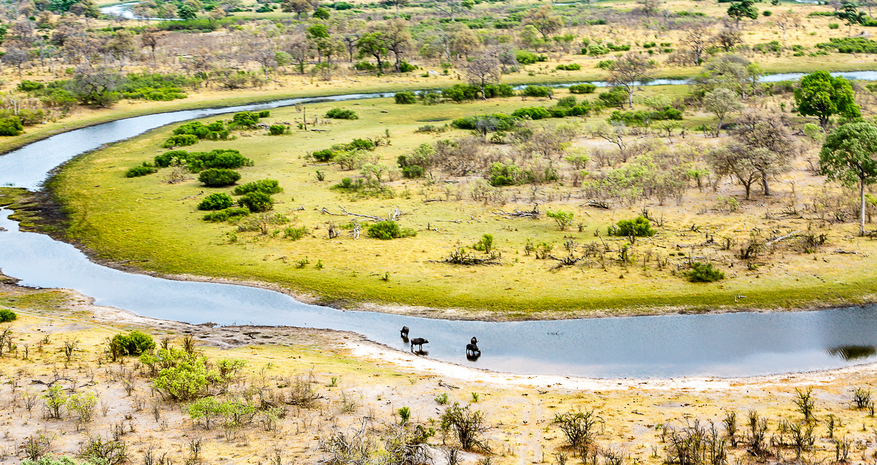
(732, 344)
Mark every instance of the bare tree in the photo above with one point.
(628, 71)
(483, 71)
(150, 38)
(696, 38)
(728, 38)
(722, 102)
(768, 142)
(786, 20)
(734, 160)
(16, 57)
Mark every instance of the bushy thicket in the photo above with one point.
(582, 89)
(386, 230)
(639, 227)
(265, 186)
(197, 161)
(704, 273)
(141, 170)
(537, 91)
(405, 98)
(341, 113)
(212, 131)
(10, 126)
(7, 315)
(256, 202)
(532, 113)
(216, 201)
(849, 45)
(219, 177)
(643, 117)
(133, 343)
(498, 121)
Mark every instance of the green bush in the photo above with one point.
(216, 201)
(256, 202)
(244, 119)
(499, 90)
(461, 92)
(10, 126)
(640, 227)
(30, 117)
(323, 155)
(7, 315)
(340, 113)
(405, 67)
(265, 186)
(186, 381)
(526, 58)
(219, 177)
(833, 25)
(225, 215)
(640, 117)
(294, 234)
(265, 114)
(386, 230)
(141, 170)
(228, 159)
(537, 91)
(405, 98)
(569, 67)
(361, 144)
(30, 86)
(533, 113)
(498, 122)
(277, 129)
(704, 273)
(166, 159)
(133, 343)
(195, 128)
(582, 89)
(616, 97)
(180, 140)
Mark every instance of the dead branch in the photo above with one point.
(597, 204)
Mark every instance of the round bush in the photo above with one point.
(139, 171)
(181, 140)
(10, 126)
(405, 98)
(340, 113)
(266, 186)
(217, 201)
(323, 155)
(277, 129)
(386, 230)
(7, 315)
(256, 202)
(219, 177)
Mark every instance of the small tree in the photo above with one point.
(483, 71)
(722, 102)
(562, 218)
(851, 15)
(468, 426)
(630, 70)
(848, 157)
(741, 10)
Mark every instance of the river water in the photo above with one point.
(733, 344)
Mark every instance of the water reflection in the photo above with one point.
(849, 353)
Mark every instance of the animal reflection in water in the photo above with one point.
(472, 350)
(419, 342)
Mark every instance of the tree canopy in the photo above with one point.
(847, 157)
(823, 96)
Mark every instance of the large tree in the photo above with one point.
(695, 37)
(628, 71)
(373, 44)
(851, 15)
(847, 157)
(483, 71)
(544, 20)
(822, 95)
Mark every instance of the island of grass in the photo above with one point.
(517, 217)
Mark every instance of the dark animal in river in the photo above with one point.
(472, 350)
(474, 341)
(419, 342)
(404, 333)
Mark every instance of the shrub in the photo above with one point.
(323, 155)
(7, 315)
(361, 144)
(10, 126)
(277, 129)
(499, 90)
(526, 58)
(265, 186)
(582, 88)
(185, 381)
(180, 140)
(225, 215)
(82, 405)
(340, 113)
(133, 343)
(166, 159)
(580, 428)
(30, 117)
(106, 452)
(256, 202)
(616, 97)
(216, 201)
(195, 128)
(244, 119)
(466, 425)
(386, 230)
(265, 114)
(567, 102)
(219, 177)
(142, 170)
(640, 227)
(562, 218)
(531, 113)
(405, 98)
(228, 159)
(537, 91)
(461, 92)
(494, 122)
(704, 273)
(570, 67)
(30, 86)
(833, 25)
(294, 234)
